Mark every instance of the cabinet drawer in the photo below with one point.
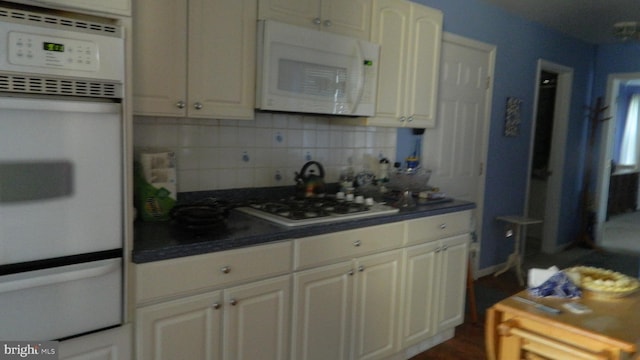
(438, 227)
(178, 276)
(329, 248)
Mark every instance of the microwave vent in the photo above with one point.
(53, 86)
(58, 22)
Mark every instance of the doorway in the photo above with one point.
(611, 237)
(547, 149)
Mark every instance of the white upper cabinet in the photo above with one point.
(345, 17)
(194, 58)
(410, 37)
(118, 7)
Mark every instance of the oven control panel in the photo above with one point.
(25, 49)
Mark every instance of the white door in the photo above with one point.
(456, 149)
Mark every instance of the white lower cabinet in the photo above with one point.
(245, 322)
(111, 344)
(361, 294)
(348, 310)
(434, 290)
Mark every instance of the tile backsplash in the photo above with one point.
(228, 154)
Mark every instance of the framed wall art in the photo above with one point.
(512, 117)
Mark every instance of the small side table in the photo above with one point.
(515, 258)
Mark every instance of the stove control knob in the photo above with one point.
(359, 199)
(368, 201)
(225, 269)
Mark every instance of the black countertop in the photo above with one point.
(154, 241)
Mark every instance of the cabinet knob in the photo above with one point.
(438, 249)
(233, 302)
(444, 248)
(316, 21)
(403, 119)
(327, 23)
(197, 106)
(180, 104)
(350, 273)
(225, 269)
(357, 243)
(361, 268)
(216, 305)
(443, 226)
(410, 118)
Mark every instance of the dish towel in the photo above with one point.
(559, 285)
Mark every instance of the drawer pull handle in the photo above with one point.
(216, 305)
(225, 269)
(357, 243)
(443, 226)
(233, 302)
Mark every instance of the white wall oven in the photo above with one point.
(61, 166)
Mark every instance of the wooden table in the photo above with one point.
(515, 330)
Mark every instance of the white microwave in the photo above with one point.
(310, 71)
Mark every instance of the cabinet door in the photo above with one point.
(187, 328)
(423, 66)
(322, 303)
(351, 18)
(118, 7)
(159, 57)
(112, 344)
(296, 12)
(256, 320)
(452, 288)
(390, 29)
(377, 304)
(421, 280)
(221, 58)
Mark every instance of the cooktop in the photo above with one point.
(315, 210)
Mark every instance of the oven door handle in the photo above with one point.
(58, 275)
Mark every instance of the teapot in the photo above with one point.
(307, 182)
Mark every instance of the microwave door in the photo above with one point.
(358, 77)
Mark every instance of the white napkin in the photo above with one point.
(538, 276)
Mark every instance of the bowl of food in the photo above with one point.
(602, 283)
(414, 180)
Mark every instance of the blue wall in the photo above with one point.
(520, 43)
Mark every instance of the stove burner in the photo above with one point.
(308, 208)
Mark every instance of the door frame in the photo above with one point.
(558, 148)
(490, 50)
(606, 150)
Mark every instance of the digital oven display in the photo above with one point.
(49, 46)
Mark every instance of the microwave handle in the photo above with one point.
(361, 79)
(55, 276)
